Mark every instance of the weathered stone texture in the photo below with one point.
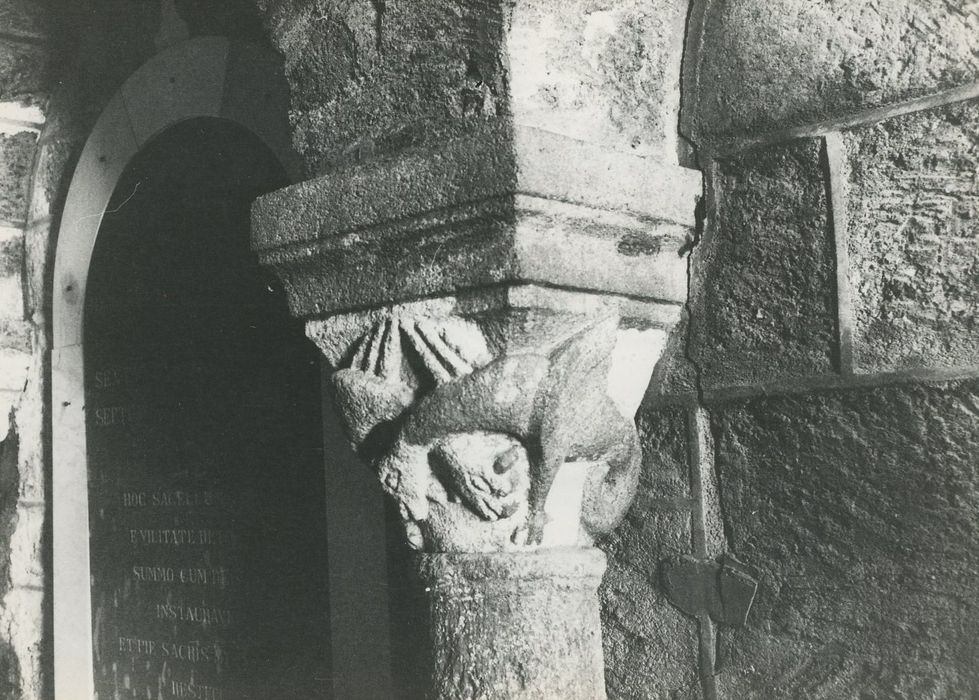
(499, 205)
(13, 329)
(913, 205)
(371, 77)
(10, 671)
(665, 472)
(767, 65)
(675, 374)
(604, 72)
(16, 157)
(23, 17)
(861, 510)
(519, 626)
(22, 70)
(650, 646)
(766, 304)
(14, 332)
(11, 253)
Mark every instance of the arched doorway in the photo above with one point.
(237, 100)
(207, 518)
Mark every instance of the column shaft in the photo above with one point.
(515, 625)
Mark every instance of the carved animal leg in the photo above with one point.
(608, 493)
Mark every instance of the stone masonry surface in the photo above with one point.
(859, 506)
(913, 206)
(650, 646)
(861, 510)
(766, 307)
(16, 157)
(21, 70)
(767, 65)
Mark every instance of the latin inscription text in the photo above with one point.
(201, 576)
(192, 652)
(198, 691)
(164, 499)
(108, 416)
(177, 537)
(199, 614)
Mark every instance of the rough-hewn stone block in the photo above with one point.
(765, 308)
(16, 156)
(11, 252)
(501, 205)
(665, 473)
(770, 64)
(650, 646)
(605, 73)
(675, 375)
(10, 664)
(12, 331)
(861, 510)
(25, 17)
(22, 68)
(913, 205)
(370, 77)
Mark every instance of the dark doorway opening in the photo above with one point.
(203, 416)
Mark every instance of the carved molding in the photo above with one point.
(493, 427)
(503, 205)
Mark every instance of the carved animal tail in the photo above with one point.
(608, 494)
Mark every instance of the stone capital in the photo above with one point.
(493, 308)
(498, 419)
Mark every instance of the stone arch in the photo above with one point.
(202, 77)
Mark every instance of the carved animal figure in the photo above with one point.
(554, 403)
(557, 406)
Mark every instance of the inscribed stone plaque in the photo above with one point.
(205, 456)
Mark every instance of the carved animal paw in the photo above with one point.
(488, 472)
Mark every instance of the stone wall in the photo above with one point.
(371, 78)
(828, 370)
(24, 82)
(817, 414)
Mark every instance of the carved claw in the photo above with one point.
(535, 527)
(487, 471)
